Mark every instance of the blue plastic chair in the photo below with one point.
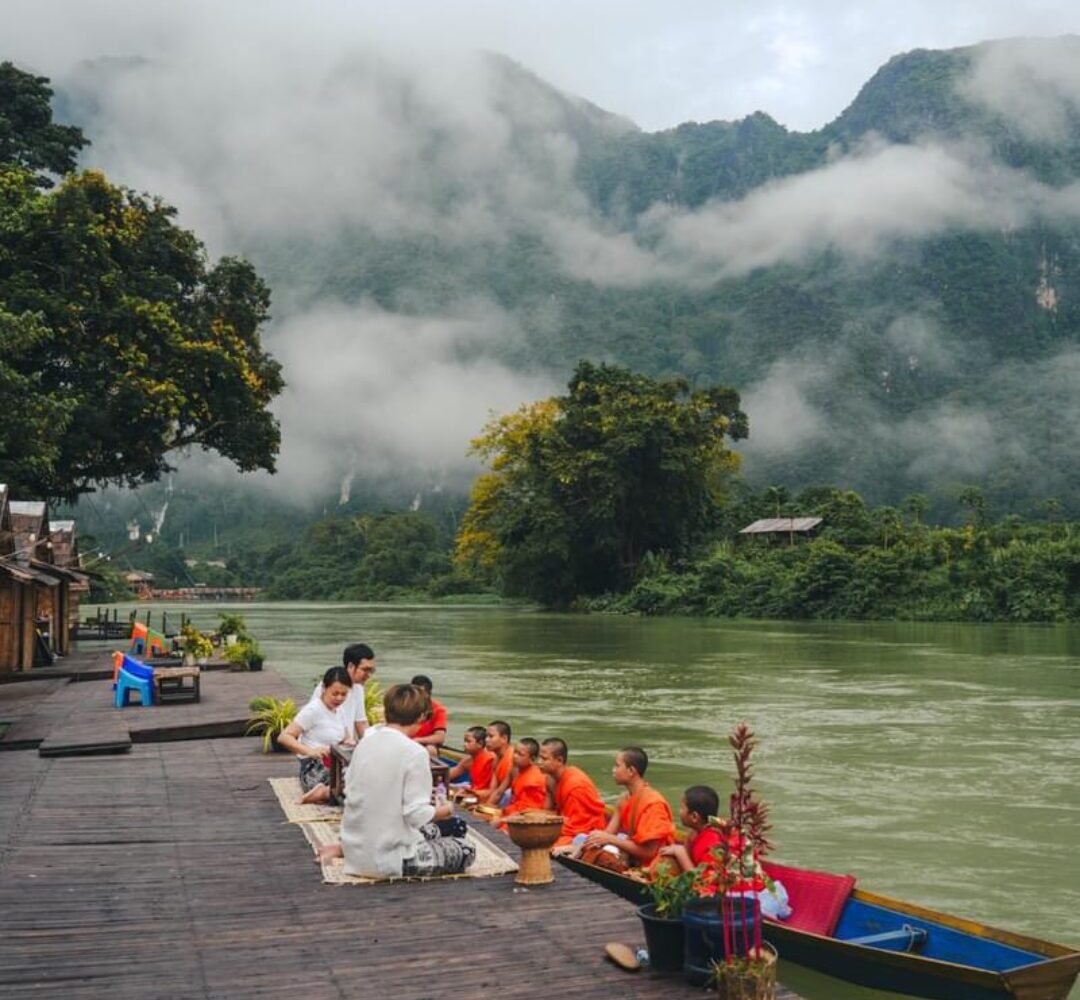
(134, 676)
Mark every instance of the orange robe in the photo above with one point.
(529, 791)
(502, 767)
(647, 816)
(579, 802)
(480, 769)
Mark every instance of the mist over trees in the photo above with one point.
(892, 295)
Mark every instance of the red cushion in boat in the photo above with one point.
(817, 898)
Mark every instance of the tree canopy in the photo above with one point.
(119, 341)
(582, 486)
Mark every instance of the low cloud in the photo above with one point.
(1034, 83)
(859, 206)
(371, 392)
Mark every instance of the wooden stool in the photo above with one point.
(535, 832)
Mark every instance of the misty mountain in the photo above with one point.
(895, 295)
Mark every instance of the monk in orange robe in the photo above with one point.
(498, 742)
(528, 787)
(573, 793)
(643, 815)
(479, 765)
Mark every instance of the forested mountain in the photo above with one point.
(894, 295)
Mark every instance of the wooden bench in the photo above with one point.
(171, 686)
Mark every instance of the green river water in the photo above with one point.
(938, 763)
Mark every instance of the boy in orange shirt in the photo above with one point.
(643, 815)
(479, 765)
(529, 787)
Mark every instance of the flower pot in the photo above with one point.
(663, 938)
(704, 935)
(255, 663)
(749, 980)
(189, 660)
(230, 639)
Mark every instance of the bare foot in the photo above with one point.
(324, 852)
(318, 794)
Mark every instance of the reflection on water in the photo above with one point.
(937, 763)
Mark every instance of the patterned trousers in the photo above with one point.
(439, 855)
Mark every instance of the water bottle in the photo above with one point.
(440, 793)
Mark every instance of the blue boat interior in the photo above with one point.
(878, 927)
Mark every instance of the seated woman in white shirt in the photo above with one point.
(388, 827)
(316, 728)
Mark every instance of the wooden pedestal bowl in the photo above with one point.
(535, 832)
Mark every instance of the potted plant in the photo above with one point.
(269, 717)
(245, 654)
(232, 628)
(662, 918)
(196, 647)
(723, 935)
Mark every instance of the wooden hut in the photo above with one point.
(789, 527)
(16, 598)
(51, 584)
(65, 555)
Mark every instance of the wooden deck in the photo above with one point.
(62, 715)
(168, 871)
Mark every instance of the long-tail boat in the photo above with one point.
(874, 941)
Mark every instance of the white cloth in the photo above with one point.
(387, 800)
(351, 709)
(319, 725)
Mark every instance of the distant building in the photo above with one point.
(141, 582)
(789, 527)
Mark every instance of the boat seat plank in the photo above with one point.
(910, 937)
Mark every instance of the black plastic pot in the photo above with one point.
(664, 940)
(256, 663)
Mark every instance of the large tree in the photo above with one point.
(119, 342)
(582, 486)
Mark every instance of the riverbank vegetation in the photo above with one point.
(626, 457)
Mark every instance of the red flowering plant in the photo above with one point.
(736, 877)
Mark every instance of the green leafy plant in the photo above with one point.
(671, 892)
(373, 701)
(233, 624)
(194, 642)
(243, 652)
(269, 717)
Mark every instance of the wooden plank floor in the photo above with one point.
(168, 872)
(61, 715)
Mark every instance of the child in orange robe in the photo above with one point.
(479, 765)
(498, 742)
(575, 796)
(643, 815)
(529, 788)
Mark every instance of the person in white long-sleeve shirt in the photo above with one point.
(389, 824)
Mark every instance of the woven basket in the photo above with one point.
(737, 982)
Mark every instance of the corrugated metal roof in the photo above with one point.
(786, 525)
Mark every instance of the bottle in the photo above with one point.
(440, 793)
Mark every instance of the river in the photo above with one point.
(938, 763)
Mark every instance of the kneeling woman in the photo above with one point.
(389, 823)
(316, 728)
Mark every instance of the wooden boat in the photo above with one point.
(874, 941)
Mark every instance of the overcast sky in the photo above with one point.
(659, 63)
